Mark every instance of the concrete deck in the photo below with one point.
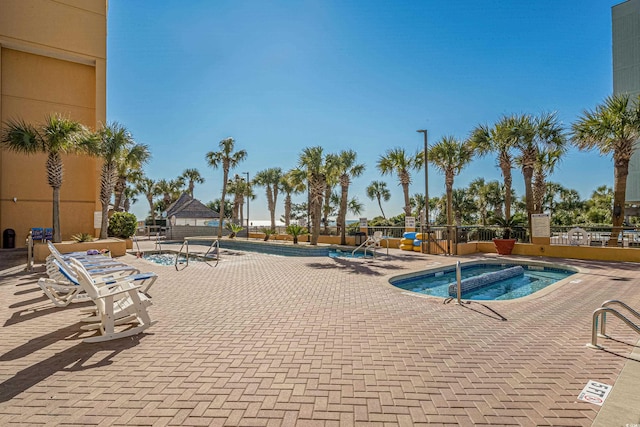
(263, 340)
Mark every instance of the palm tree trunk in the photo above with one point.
(342, 216)
(224, 193)
(505, 166)
(621, 172)
(527, 173)
(407, 200)
(272, 207)
(287, 209)
(118, 190)
(57, 234)
(380, 204)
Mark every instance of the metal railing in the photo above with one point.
(601, 315)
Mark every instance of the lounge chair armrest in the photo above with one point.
(113, 291)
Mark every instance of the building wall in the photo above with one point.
(52, 61)
(626, 73)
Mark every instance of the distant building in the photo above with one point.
(189, 211)
(626, 74)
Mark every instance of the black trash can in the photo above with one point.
(360, 238)
(9, 238)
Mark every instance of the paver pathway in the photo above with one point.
(265, 340)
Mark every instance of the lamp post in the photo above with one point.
(248, 198)
(426, 190)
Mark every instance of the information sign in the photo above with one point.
(594, 392)
(540, 225)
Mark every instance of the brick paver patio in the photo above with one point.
(264, 340)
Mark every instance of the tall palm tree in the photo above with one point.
(130, 161)
(612, 128)
(347, 168)
(192, 177)
(240, 189)
(148, 187)
(270, 180)
(548, 159)
(130, 193)
(450, 156)
(291, 183)
(533, 135)
(332, 179)
(378, 190)
(311, 160)
(115, 142)
(57, 136)
(228, 159)
(498, 139)
(396, 160)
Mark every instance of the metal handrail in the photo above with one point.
(603, 323)
(215, 246)
(600, 312)
(366, 245)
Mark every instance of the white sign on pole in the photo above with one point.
(540, 225)
(363, 223)
(409, 222)
(594, 392)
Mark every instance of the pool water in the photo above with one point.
(535, 278)
(337, 253)
(168, 258)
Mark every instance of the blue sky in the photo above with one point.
(279, 76)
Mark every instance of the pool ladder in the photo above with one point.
(600, 316)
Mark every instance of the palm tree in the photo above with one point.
(228, 159)
(240, 189)
(148, 187)
(499, 139)
(546, 162)
(170, 190)
(57, 136)
(193, 177)
(534, 135)
(115, 142)
(130, 161)
(612, 128)
(396, 160)
(346, 168)
(450, 156)
(312, 162)
(332, 178)
(479, 191)
(292, 182)
(378, 190)
(270, 180)
(463, 206)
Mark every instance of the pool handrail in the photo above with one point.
(601, 313)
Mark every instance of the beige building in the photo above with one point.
(52, 60)
(626, 74)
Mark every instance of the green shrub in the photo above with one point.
(122, 225)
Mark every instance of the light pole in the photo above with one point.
(248, 197)
(426, 189)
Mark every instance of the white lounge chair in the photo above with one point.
(116, 306)
(63, 287)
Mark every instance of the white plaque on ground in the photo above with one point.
(594, 392)
(540, 225)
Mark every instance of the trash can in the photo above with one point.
(360, 238)
(9, 238)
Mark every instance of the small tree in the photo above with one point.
(122, 225)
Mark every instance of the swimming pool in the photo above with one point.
(525, 279)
